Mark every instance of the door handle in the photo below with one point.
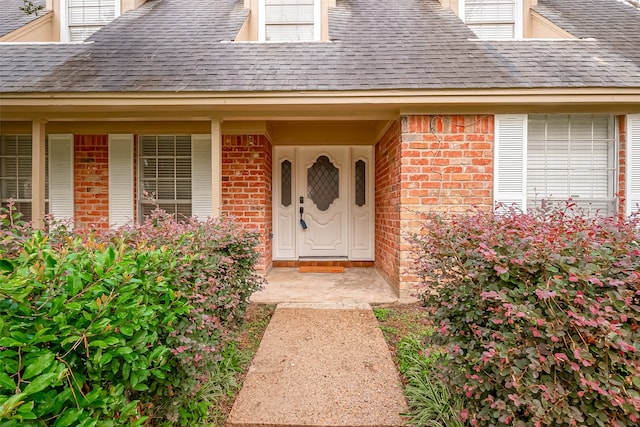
(303, 224)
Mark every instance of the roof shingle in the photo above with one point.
(187, 46)
(13, 18)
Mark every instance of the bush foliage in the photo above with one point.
(124, 329)
(539, 314)
(430, 401)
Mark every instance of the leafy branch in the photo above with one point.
(29, 8)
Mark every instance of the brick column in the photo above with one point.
(246, 187)
(622, 165)
(446, 167)
(387, 205)
(91, 182)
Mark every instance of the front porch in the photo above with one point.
(412, 164)
(354, 285)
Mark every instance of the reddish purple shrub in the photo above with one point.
(539, 313)
(212, 264)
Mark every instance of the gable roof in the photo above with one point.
(614, 24)
(13, 18)
(187, 46)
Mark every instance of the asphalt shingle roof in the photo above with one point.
(12, 18)
(186, 46)
(614, 24)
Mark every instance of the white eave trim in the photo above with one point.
(436, 96)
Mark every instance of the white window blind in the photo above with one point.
(633, 164)
(15, 173)
(493, 19)
(552, 158)
(164, 170)
(290, 20)
(87, 16)
(572, 156)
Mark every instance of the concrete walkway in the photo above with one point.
(321, 365)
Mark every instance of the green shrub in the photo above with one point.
(81, 332)
(539, 315)
(118, 329)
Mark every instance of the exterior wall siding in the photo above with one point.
(446, 167)
(246, 187)
(91, 182)
(387, 205)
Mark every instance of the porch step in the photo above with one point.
(330, 263)
(320, 269)
(321, 365)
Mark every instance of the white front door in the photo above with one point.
(322, 196)
(323, 202)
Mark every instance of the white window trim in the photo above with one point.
(121, 179)
(262, 24)
(65, 33)
(61, 176)
(201, 172)
(500, 194)
(632, 161)
(518, 29)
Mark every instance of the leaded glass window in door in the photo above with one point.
(323, 182)
(360, 179)
(286, 183)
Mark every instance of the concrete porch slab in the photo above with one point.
(321, 365)
(354, 285)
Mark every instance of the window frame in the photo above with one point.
(612, 169)
(262, 24)
(65, 21)
(518, 24)
(139, 158)
(511, 163)
(25, 201)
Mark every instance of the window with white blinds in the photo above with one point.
(87, 16)
(290, 20)
(164, 170)
(493, 19)
(572, 156)
(15, 173)
(632, 155)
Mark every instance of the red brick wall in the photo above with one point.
(387, 205)
(447, 166)
(246, 187)
(622, 143)
(91, 182)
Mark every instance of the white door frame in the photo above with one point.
(286, 219)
